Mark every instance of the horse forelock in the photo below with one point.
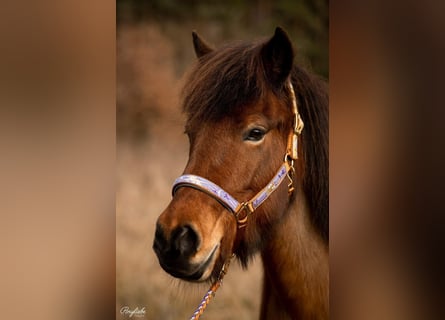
(232, 77)
(222, 82)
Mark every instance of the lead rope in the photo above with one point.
(212, 291)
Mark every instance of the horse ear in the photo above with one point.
(201, 47)
(278, 56)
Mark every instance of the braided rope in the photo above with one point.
(212, 291)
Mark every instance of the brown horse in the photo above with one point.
(238, 102)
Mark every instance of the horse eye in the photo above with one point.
(255, 134)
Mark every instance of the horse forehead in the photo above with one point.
(216, 131)
(267, 108)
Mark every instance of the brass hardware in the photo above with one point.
(242, 222)
(290, 185)
(299, 124)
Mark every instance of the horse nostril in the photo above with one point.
(185, 240)
(160, 243)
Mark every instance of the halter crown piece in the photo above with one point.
(247, 207)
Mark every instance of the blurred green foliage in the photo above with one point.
(307, 21)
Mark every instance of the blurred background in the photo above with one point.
(60, 182)
(154, 50)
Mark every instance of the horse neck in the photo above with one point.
(296, 268)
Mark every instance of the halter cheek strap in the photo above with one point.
(229, 202)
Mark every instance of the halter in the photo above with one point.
(235, 207)
(248, 207)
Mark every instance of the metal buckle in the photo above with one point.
(242, 222)
(290, 185)
(290, 161)
(299, 124)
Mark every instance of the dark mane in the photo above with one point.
(226, 79)
(313, 105)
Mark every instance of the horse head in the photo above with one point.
(239, 117)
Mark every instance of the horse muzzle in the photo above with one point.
(179, 256)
